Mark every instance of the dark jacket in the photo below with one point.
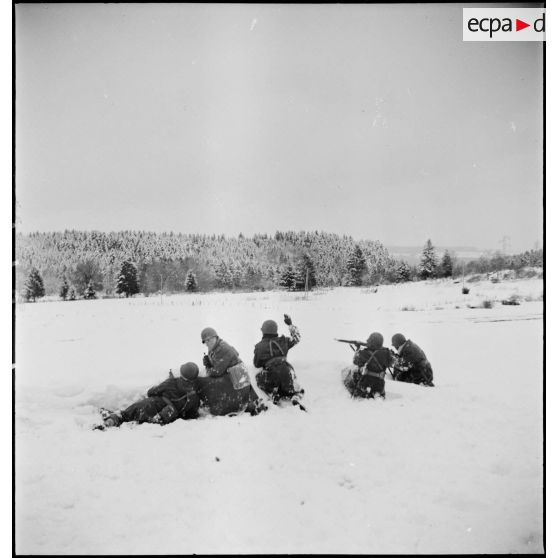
(274, 348)
(411, 352)
(222, 357)
(221, 398)
(181, 393)
(370, 381)
(375, 361)
(420, 370)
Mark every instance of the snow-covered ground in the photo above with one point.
(453, 469)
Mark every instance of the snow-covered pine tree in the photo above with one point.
(90, 293)
(236, 275)
(72, 294)
(85, 272)
(287, 279)
(446, 265)
(428, 262)
(305, 269)
(34, 287)
(127, 282)
(191, 283)
(64, 289)
(356, 267)
(223, 276)
(403, 272)
(252, 276)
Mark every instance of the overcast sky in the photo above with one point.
(376, 121)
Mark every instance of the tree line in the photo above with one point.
(169, 262)
(431, 266)
(80, 264)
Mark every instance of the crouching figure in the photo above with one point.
(226, 388)
(411, 363)
(277, 377)
(366, 378)
(170, 400)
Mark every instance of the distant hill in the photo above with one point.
(412, 254)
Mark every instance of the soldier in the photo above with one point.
(413, 366)
(226, 389)
(277, 377)
(172, 399)
(372, 361)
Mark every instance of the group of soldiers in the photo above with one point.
(407, 363)
(226, 388)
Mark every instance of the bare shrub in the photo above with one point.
(512, 300)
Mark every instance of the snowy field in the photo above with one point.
(451, 469)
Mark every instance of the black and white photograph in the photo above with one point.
(279, 278)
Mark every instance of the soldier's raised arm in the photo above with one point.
(293, 330)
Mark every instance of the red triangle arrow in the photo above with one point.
(519, 25)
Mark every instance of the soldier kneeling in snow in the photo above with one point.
(366, 379)
(412, 365)
(226, 388)
(172, 399)
(277, 377)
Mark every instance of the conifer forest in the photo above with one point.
(85, 264)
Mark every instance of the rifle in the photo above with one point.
(355, 345)
(351, 342)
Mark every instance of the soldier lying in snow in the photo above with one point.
(172, 399)
(277, 377)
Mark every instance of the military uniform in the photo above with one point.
(226, 389)
(172, 399)
(222, 357)
(372, 364)
(277, 377)
(415, 367)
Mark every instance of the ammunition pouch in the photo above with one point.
(239, 376)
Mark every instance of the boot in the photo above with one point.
(261, 406)
(295, 400)
(256, 407)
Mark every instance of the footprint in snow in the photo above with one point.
(346, 483)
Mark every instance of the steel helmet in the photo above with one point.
(189, 371)
(207, 333)
(397, 340)
(269, 326)
(375, 341)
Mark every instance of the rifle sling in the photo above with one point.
(382, 372)
(173, 401)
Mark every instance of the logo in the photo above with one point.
(504, 24)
